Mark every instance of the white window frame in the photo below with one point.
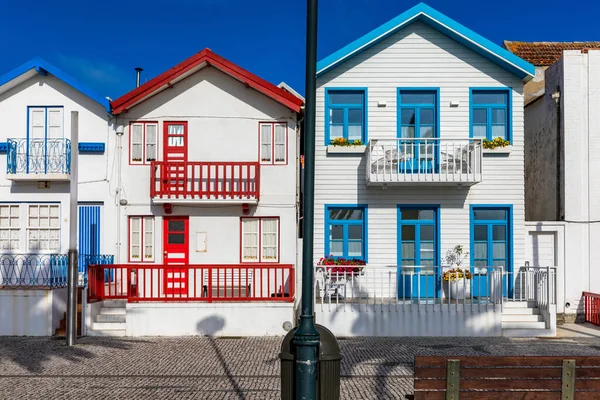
(145, 221)
(9, 227)
(29, 228)
(145, 143)
(269, 159)
(260, 242)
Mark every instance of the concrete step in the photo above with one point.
(522, 318)
(110, 318)
(106, 333)
(114, 303)
(518, 304)
(523, 325)
(108, 326)
(526, 333)
(113, 311)
(521, 311)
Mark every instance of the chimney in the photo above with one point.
(138, 72)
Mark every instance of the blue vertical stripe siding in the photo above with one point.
(89, 234)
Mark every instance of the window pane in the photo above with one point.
(336, 131)
(427, 250)
(498, 116)
(355, 248)
(336, 248)
(480, 232)
(489, 214)
(345, 97)
(499, 250)
(480, 263)
(355, 116)
(408, 116)
(417, 98)
(480, 251)
(427, 232)
(480, 116)
(490, 97)
(408, 232)
(498, 232)
(499, 131)
(337, 232)
(480, 131)
(336, 116)
(176, 238)
(426, 132)
(346, 214)
(355, 132)
(408, 131)
(176, 226)
(408, 250)
(355, 232)
(427, 116)
(409, 214)
(499, 263)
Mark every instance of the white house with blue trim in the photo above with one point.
(36, 102)
(405, 172)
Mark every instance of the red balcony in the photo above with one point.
(217, 182)
(197, 283)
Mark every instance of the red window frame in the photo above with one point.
(142, 232)
(273, 123)
(144, 123)
(259, 258)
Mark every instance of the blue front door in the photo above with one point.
(417, 150)
(418, 251)
(89, 236)
(490, 245)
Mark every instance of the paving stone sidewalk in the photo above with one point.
(228, 368)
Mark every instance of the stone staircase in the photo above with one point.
(111, 321)
(523, 319)
(62, 328)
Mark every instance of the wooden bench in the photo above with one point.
(506, 378)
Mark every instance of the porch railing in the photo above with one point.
(183, 283)
(85, 260)
(533, 284)
(19, 271)
(591, 304)
(38, 156)
(443, 160)
(205, 180)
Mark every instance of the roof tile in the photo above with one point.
(545, 53)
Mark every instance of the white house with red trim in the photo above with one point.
(207, 206)
(406, 170)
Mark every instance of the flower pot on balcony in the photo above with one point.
(456, 290)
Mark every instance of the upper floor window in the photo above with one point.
(273, 143)
(490, 114)
(143, 142)
(45, 123)
(345, 232)
(345, 114)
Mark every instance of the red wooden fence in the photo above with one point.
(592, 307)
(205, 180)
(206, 283)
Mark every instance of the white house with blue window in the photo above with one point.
(408, 167)
(36, 102)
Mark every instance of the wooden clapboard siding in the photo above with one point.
(418, 56)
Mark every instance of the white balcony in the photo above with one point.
(433, 161)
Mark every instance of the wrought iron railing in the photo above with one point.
(33, 270)
(85, 260)
(38, 156)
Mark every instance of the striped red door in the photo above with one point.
(175, 155)
(176, 252)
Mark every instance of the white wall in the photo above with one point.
(93, 127)
(223, 125)
(31, 312)
(419, 56)
(192, 319)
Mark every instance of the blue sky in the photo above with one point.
(100, 44)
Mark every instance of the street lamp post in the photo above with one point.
(306, 337)
(72, 263)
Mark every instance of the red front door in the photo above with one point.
(176, 252)
(175, 154)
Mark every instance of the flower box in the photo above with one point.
(498, 150)
(359, 149)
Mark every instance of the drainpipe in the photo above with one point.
(556, 98)
(119, 131)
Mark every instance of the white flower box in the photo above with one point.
(498, 150)
(331, 149)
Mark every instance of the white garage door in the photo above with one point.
(541, 249)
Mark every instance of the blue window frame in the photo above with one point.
(346, 114)
(346, 231)
(490, 113)
(418, 118)
(491, 236)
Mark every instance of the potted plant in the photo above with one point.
(495, 143)
(339, 271)
(340, 141)
(455, 280)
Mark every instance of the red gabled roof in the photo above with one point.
(206, 57)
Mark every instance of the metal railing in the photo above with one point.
(84, 262)
(533, 284)
(38, 156)
(18, 271)
(205, 180)
(424, 160)
(591, 304)
(183, 283)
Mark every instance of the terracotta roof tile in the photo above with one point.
(545, 53)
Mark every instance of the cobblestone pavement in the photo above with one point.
(228, 368)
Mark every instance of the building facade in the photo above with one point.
(403, 177)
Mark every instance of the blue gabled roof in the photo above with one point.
(43, 68)
(422, 12)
